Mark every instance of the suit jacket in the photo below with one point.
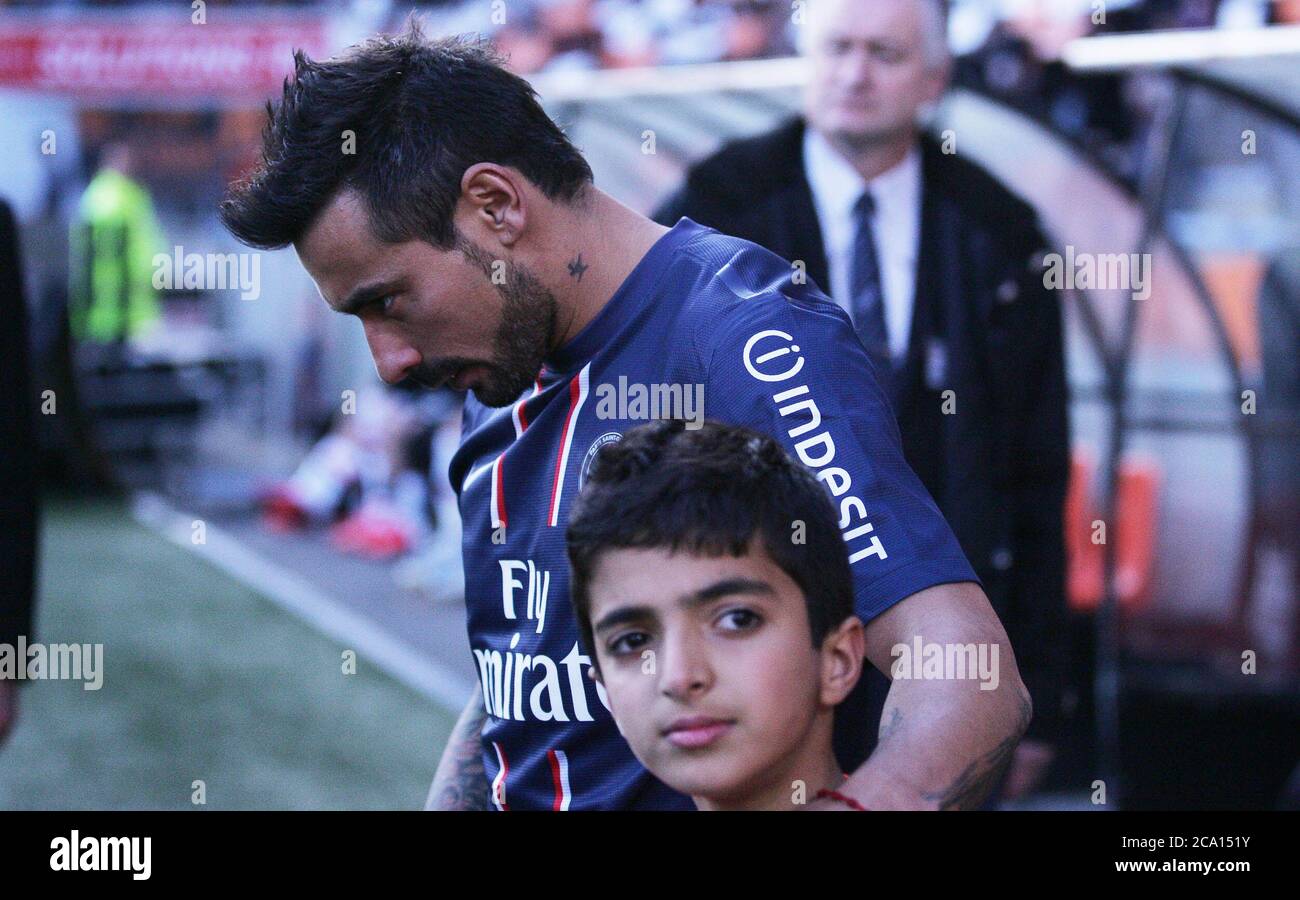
(998, 464)
(17, 446)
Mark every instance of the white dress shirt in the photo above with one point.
(836, 187)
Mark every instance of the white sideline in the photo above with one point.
(296, 595)
(1182, 47)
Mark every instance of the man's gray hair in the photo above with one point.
(934, 15)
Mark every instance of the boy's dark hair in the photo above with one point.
(422, 112)
(708, 492)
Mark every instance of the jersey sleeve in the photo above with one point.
(789, 364)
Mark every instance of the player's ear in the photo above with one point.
(594, 674)
(842, 655)
(491, 207)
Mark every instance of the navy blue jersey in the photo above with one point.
(703, 317)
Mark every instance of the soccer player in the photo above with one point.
(428, 194)
(723, 640)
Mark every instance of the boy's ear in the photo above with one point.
(595, 676)
(843, 652)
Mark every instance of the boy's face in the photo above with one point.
(710, 671)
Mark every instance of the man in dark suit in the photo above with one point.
(17, 464)
(941, 269)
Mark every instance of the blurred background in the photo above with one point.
(231, 501)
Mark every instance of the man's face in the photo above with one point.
(708, 666)
(429, 314)
(870, 74)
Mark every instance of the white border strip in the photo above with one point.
(667, 81)
(575, 409)
(1169, 48)
(296, 595)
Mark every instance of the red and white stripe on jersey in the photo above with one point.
(560, 776)
(498, 494)
(499, 783)
(518, 415)
(520, 419)
(579, 388)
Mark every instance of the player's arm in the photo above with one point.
(944, 742)
(461, 782)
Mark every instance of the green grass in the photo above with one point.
(203, 680)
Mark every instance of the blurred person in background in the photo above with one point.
(18, 501)
(114, 237)
(367, 476)
(937, 264)
(1019, 64)
(759, 29)
(1279, 463)
(550, 35)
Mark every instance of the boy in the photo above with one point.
(713, 593)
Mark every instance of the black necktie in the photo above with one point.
(866, 297)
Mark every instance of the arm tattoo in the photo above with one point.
(890, 723)
(461, 781)
(577, 267)
(467, 787)
(973, 785)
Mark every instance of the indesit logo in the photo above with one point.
(778, 360)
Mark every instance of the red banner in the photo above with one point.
(167, 60)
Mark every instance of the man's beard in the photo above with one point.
(520, 345)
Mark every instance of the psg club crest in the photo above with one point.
(608, 437)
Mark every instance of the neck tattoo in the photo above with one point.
(577, 267)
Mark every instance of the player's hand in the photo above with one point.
(1028, 768)
(8, 707)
